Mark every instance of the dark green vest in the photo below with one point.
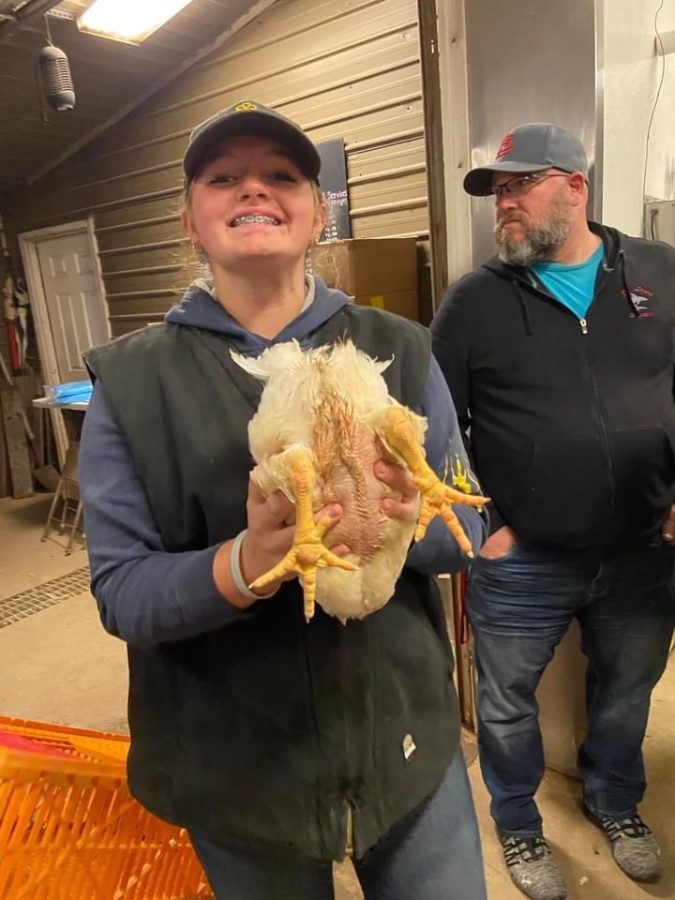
(264, 731)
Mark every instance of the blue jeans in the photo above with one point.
(432, 854)
(520, 606)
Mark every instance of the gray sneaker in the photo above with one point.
(532, 867)
(633, 846)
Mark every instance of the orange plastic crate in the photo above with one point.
(70, 830)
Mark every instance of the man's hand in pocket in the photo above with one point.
(498, 544)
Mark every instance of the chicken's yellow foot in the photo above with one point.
(437, 498)
(307, 553)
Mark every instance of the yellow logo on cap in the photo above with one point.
(244, 107)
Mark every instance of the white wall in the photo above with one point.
(631, 76)
(535, 62)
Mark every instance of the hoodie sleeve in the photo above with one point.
(451, 347)
(450, 342)
(438, 551)
(145, 594)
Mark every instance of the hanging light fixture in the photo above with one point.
(55, 79)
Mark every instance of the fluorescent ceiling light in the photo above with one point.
(128, 20)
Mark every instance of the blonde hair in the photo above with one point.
(320, 201)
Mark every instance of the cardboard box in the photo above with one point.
(403, 303)
(379, 272)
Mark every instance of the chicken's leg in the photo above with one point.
(308, 552)
(437, 498)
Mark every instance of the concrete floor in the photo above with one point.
(58, 665)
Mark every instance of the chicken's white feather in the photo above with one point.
(297, 382)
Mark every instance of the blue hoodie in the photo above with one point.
(147, 595)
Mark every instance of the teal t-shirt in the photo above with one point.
(572, 285)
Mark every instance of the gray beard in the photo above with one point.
(540, 242)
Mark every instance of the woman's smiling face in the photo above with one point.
(250, 203)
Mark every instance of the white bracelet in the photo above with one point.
(235, 570)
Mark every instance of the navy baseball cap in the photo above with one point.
(248, 117)
(530, 148)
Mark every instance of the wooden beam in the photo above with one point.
(433, 118)
(12, 23)
(16, 443)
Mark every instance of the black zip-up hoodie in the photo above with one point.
(571, 423)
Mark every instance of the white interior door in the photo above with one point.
(76, 311)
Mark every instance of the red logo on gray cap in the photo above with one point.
(506, 145)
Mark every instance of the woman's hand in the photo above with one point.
(268, 538)
(406, 505)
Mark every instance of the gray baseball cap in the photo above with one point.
(244, 118)
(530, 148)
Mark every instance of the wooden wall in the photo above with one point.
(341, 68)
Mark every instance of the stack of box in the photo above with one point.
(379, 272)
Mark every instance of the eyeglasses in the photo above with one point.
(521, 184)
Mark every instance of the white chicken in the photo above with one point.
(326, 455)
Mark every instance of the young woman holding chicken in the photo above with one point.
(280, 744)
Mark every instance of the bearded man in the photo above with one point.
(559, 355)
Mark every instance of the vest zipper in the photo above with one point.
(584, 326)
